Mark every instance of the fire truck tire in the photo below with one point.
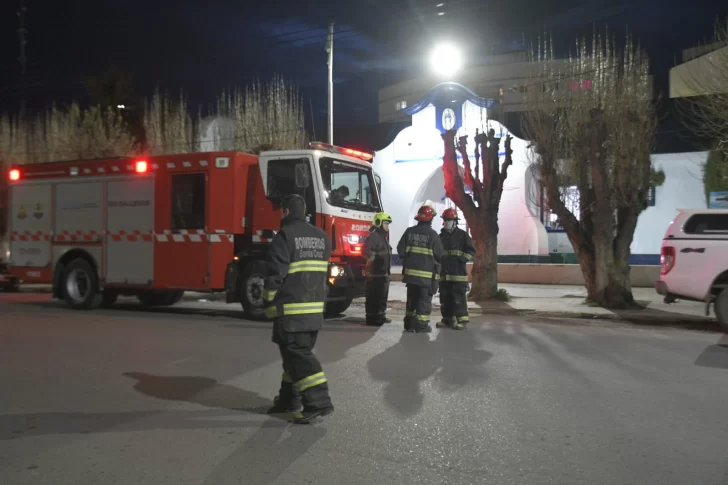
(81, 285)
(109, 298)
(250, 290)
(176, 297)
(336, 308)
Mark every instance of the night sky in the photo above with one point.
(203, 47)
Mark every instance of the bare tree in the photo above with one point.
(480, 209)
(267, 116)
(704, 84)
(591, 124)
(168, 126)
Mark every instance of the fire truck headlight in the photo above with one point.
(336, 271)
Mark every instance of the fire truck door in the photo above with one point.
(30, 226)
(183, 260)
(130, 229)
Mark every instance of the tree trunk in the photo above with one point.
(485, 263)
(606, 278)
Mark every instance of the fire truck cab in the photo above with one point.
(158, 226)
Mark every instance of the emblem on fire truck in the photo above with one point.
(22, 213)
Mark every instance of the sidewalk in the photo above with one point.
(569, 302)
(557, 301)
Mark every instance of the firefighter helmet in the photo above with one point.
(450, 215)
(425, 214)
(381, 218)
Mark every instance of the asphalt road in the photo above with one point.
(178, 397)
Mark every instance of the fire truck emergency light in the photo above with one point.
(14, 174)
(141, 166)
(317, 145)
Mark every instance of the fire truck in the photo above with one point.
(155, 227)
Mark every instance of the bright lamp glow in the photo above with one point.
(141, 166)
(14, 175)
(446, 60)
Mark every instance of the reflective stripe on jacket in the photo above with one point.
(297, 272)
(420, 252)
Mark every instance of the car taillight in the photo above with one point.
(667, 259)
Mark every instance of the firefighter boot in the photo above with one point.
(445, 322)
(461, 323)
(287, 401)
(316, 405)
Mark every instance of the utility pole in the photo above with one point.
(22, 58)
(330, 50)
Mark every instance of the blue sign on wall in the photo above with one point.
(718, 200)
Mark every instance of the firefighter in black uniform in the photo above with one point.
(295, 294)
(458, 251)
(420, 251)
(378, 254)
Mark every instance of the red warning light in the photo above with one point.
(141, 166)
(14, 174)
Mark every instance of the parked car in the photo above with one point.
(694, 260)
(8, 282)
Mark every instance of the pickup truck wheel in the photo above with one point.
(80, 285)
(720, 306)
(336, 308)
(250, 287)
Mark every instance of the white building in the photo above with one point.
(411, 172)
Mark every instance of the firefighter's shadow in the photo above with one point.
(451, 357)
(199, 390)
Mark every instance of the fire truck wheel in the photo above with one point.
(175, 297)
(109, 298)
(81, 285)
(251, 290)
(336, 308)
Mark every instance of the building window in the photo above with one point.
(570, 197)
(188, 201)
(401, 105)
(651, 196)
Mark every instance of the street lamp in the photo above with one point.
(445, 60)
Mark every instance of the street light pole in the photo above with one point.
(330, 50)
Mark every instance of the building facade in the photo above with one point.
(411, 172)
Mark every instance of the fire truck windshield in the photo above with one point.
(349, 185)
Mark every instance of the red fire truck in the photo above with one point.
(156, 227)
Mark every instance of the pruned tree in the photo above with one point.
(591, 124)
(705, 90)
(267, 116)
(481, 208)
(168, 126)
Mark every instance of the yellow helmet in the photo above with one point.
(381, 218)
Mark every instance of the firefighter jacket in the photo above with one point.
(458, 250)
(378, 253)
(420, 252)
(297, 271)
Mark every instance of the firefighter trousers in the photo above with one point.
(419, 307)
(454, 303)
(377, 294)
(302, 372)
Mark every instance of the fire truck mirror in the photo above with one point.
(302, 176)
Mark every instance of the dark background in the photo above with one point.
(203, 47)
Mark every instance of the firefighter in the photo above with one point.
(420, 251)
(458, 250)
(295, 294)
(378, 254)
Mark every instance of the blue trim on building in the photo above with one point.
(450, 90)
(634, 260)
(460, 157)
